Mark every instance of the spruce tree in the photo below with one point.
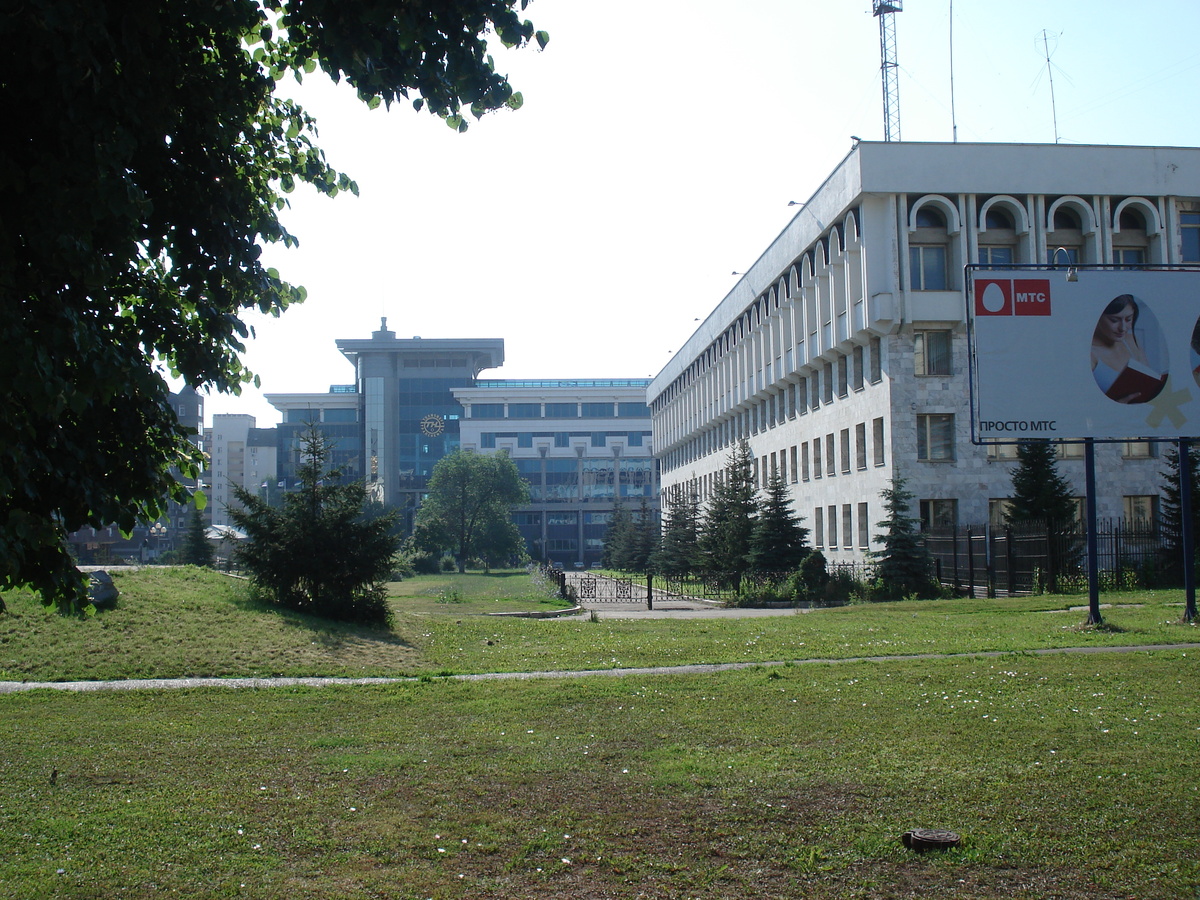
(318, 553)
(617, 539)
(779, 543)
(729, 518)
(903, 562)
(679, 549)
(1040, 493)
(196, 550)
(643, 540)
(1172, 513)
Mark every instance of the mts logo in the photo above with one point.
(1012, 297)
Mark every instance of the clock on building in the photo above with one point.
(432, 425)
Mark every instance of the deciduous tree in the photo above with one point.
(143, 164)
(469, 495)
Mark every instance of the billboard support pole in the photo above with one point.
(1093, 566)
(1185, 527)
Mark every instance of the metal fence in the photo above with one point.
(1030, 558)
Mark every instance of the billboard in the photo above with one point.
(1112, 355)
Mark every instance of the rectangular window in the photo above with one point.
(487, 440)
(939, 516)
(802, 396)
(843, 375)
(876, 360)
(562, 439)
(1070, 451)
(1189, 232)
(857, 372)
(524, 410)
(525, 440)
(931, 353)
(877, 440)
(1002, 451)
(487, 411)
(794, 465)
(848, 526)
(831, 523)
(1062, 256)
(864, 527)
(804, 471)
(783, 469)
(830, 455)
(827, 379)
(845, 451)
(818, 527)
(927, 263)
(815, 384)
(935, 436)
(1142, 507)
(562, 410)
(597, 410)
(996, 255)
(998, 508)
(599, 438)
(633, 411)
(860, 445)
(1140, 450)
(634, 439)
(1129, 256)
(818, 469)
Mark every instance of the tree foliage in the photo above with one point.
(1040, 493)
(778, 543)
(318, 553)
(196, 549)
(728, 521)
(470, 497)
(1172, 510)
(144, 163)
(903, 566)
(679, 549)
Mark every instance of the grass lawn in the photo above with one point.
(1068, 776)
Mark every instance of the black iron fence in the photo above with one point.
(1032, 557)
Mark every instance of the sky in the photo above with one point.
(658, 147)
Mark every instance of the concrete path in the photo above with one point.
(160, 684)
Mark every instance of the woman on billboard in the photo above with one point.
(1124, 362)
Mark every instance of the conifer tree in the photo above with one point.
(779, 543)
(903, 567)
(318, 553)
(1172, 513)
(729, 517)
(679, 550)
(1040, 493)
(643, 540)
(196, 550)
(617, 539)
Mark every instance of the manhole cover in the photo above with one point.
(922, 839)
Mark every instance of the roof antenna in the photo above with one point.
(1050, 72)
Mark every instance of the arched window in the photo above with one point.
(1131, 243)
(928, 251)
(998, 239)
(1065, 235)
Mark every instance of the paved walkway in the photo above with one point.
(159, 684)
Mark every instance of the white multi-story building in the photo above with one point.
(582, 445)
(240, 455)
(841, 355)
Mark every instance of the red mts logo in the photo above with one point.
(1012, 297)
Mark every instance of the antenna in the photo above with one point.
(1050, 72)
(953, 116)
(882, 10)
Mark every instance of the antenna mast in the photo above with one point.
(883, 10)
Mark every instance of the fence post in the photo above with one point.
(1009, 556)
(970, 563)
(649, 590)
(957, 577)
